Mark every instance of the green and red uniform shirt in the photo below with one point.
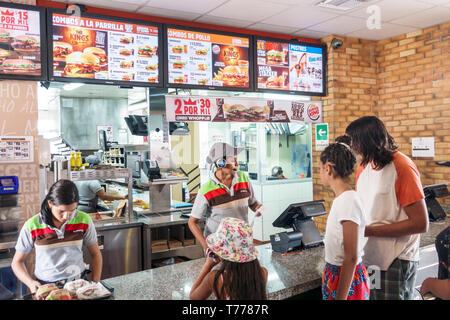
(215, 201)
(59, 252)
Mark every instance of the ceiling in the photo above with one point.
(300, 18)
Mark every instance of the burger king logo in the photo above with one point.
(313, 112)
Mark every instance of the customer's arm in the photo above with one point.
(350, 232)
(203, 286)
(417, 222)
(438, 287)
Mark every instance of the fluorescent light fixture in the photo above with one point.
(72, 86)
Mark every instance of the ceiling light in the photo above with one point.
(72, 86)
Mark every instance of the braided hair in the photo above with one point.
(340, 156)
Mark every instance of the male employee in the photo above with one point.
(227, 194)
(90, 191)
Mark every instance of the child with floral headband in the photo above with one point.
(239, 275)
(344, 276)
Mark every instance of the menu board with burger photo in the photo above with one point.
(105, 50)
(20, 41)
(207, 59)
(289, 67)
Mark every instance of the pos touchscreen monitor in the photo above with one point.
(299, 211)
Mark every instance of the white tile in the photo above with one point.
(388, 30)
(390, 10)
(223, 21)
(434, 2)
(107, 4)
(425, 18)
(311, 34)
(250, 10)
(272, 28)
(300, 17)
(340, 25)
(181, 15)
(196, 6)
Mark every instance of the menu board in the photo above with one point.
(105, 50)
(21, 28)
(283, 66)
(197, 58)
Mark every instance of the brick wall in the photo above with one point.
(403, 80)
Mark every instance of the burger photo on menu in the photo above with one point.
(151, 67)
(126, 40)
(202, 66)
(7, 54)
(99, 53)
(153, 79)
(231, 76)
(147, 51)
(126, 64)
(235, 112)
(177, 49)
(258, 113)
(201, 52)
(274, 57)
(179, 79)
(128, 77)
(20, 66)
(81, 65)
(126, 52)
(179, 64)
(202, 82)
(61, 50)
(27, 46)
(5, 36)
(230, 66)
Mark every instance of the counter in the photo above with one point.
(287, 275)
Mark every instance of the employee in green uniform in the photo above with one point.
(58, 233)
(90, 191)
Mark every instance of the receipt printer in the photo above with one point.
(286, 241)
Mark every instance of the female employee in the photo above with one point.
(90, 191)
(57, 233)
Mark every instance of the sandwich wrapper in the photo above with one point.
(120, 208)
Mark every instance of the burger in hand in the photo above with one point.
(82, 65)
(43, 291)
(99, 53)
(61, 50)
(19, 66)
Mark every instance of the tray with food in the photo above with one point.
(74, 290)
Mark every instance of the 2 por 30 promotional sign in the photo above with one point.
(226, 109)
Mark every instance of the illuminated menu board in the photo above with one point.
(292, 67)
(215, 60)
(22, 33)
(105, 50)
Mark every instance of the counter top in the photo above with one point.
(284, 276)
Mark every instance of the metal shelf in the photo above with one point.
(91, 174)
(167, 181)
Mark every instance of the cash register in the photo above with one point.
(298, 216)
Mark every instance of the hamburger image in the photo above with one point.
(202, 82)
(99, 53)
(146, 51)
(274, 56)
(178, 79)
(126, 40)
(258, 114)
(177, 49)
(19, 66)
(81, 65)
(232, 75)
(60, 294)
(126, 64)
(7, 54)
(126, 52)
(151, 67)
(25, 43)
(202, 66)
(236, 112)
(128, 77)
(43, 291)
(61, 50)
(153, 79)
(178, 64)
(5, 36)
(201, 52)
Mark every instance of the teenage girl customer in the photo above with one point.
(344, 276)
(239, 275)
(388, 183)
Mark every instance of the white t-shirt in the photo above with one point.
(346, 207)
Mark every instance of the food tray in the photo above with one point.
(107, 286)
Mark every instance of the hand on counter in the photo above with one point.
(33, 286)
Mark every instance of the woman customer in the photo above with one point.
(344, 276)
(239, 275)
(57, 233)
(388, 183)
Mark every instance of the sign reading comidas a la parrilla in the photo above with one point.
(226, 109)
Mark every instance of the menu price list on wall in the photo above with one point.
(207, 59)
(16, 149)
(289, 67)
(20, 42)
(104, 50)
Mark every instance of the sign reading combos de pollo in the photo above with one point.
(237, 109)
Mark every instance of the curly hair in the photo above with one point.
(241, 281)
(340, 156)
(370, 139)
